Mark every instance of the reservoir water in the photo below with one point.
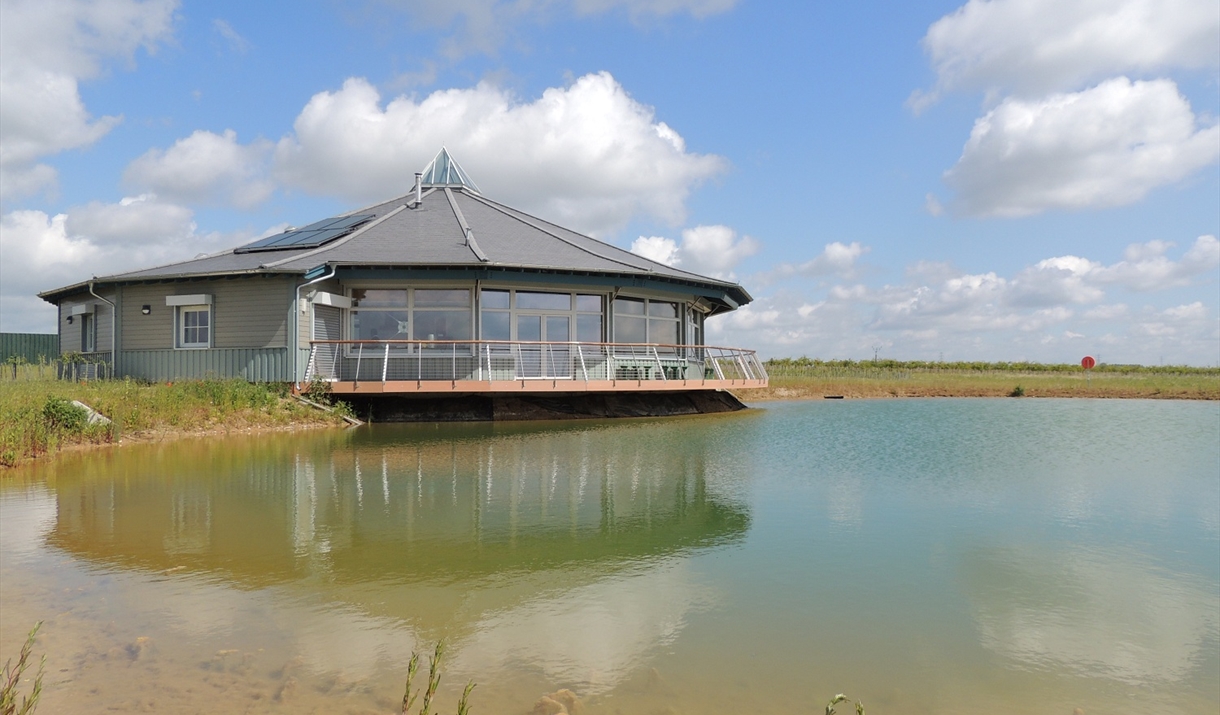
(924, 556)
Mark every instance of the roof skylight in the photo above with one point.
(444, 171)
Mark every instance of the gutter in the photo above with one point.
(52, 296)
(114, 336)
(296, 313)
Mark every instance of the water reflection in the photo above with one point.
(503, 540)
(1099, 612)
(926, 556)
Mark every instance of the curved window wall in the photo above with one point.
(510, 314)
(646, 320)
(411, 314)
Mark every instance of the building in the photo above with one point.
(439, 291)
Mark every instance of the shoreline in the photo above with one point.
(750, 398)
(914, 384)
(168, 435)
(785, 394)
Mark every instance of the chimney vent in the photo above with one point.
(419, 187)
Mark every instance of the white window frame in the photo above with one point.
(514, 310)
(410, 309)
(181, 313)
(183, 304)
(649, 338)
(88, 332)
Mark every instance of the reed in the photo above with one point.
(841, 698)
(9, 692)
(434, 681)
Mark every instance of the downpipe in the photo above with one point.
(296, 310)
(114, 338)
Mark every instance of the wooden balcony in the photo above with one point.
(523, 367)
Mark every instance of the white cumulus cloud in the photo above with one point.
(657, 248)
(46, 49)
(586, 155)
(39, 252)
(1035, 47)
(836, 258)
(206, 167)
(132, 222)
(707, 250)
(1049, 311)
(1106, 146)
(1145, 267)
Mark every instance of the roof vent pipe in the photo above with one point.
(419, 187)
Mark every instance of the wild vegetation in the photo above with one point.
(38, 416)
(810, 378)
(10, 691)
(434, 680)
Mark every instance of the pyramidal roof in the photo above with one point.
(444, 171)
(447, 224)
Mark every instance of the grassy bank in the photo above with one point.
(804, 378)
(37, 416)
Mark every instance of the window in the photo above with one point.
(194, 326)
(443, 315)
(540, 315)
(694, 327)
(88, 333)
(192, 320)
(411, 314)
(643, 320)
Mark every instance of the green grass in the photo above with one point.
(805, 366)
(803, 378)
(37, 418)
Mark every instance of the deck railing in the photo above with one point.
(561, 364)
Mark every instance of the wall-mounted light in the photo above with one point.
(146, 309)
(69, 320)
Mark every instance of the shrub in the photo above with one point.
(60, 414)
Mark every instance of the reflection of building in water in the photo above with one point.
(190, 522)
(410, 511)
(560, 549)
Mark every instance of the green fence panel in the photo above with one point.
(30, 346)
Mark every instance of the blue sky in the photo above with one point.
(991, 180)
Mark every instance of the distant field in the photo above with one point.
(804, 378)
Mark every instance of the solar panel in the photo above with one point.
(315, 234)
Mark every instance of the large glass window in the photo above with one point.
(538, 315)
(411, 314)
(443, 315)
(644, 320)
(528, 300)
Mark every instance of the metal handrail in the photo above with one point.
(525, 360)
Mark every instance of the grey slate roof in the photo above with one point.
(430, 234)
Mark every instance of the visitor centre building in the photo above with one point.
(439, 291)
